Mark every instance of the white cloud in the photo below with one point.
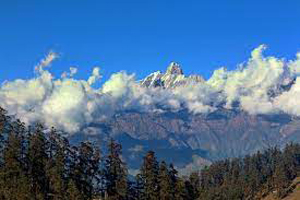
(251, 83)
(50, 57)
(289, 101)
(94, 77)
(71, 104)
(73, 71)
(196, 165)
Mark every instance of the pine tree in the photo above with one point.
(173, 174)
(164, 182)
(84, 169)
(133, 191)
(14, 184)
(115, 173)
(37, 157)
(140, 187)
(56, 166)
(3, 119)
(3, 130)
(181, 192)
(74, 174)
(193, 185)
(291, 157)
(73, 192)
(281, 180)
(149, 177)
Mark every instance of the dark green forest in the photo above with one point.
(40, 164)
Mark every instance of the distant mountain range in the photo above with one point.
(186, 119)
(191, 140)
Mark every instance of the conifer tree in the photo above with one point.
(149, 177)
(281, 180)
(193, 185)
(133, 191)
(74, 174)
(3, 120)
(14, 184)
(164, 182)
(140, 187)
(3, 125)
(72, 192)
(115, 173)
(56, 166)
(37, 165)
(291, 158)
(85, 168)
(181, 192)
(37, 157)
(173, 174)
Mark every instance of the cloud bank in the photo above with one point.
(262, 85)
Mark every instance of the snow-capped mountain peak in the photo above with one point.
(173, 77)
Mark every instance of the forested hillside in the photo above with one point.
(39, 163)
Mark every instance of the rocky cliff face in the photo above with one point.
(186, 139)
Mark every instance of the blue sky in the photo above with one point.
(141, 36)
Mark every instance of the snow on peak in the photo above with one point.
(174, 68)
(153, 80)
(172, 78)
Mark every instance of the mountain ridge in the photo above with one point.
(231, 114)
(199, 138)
(173, 77)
